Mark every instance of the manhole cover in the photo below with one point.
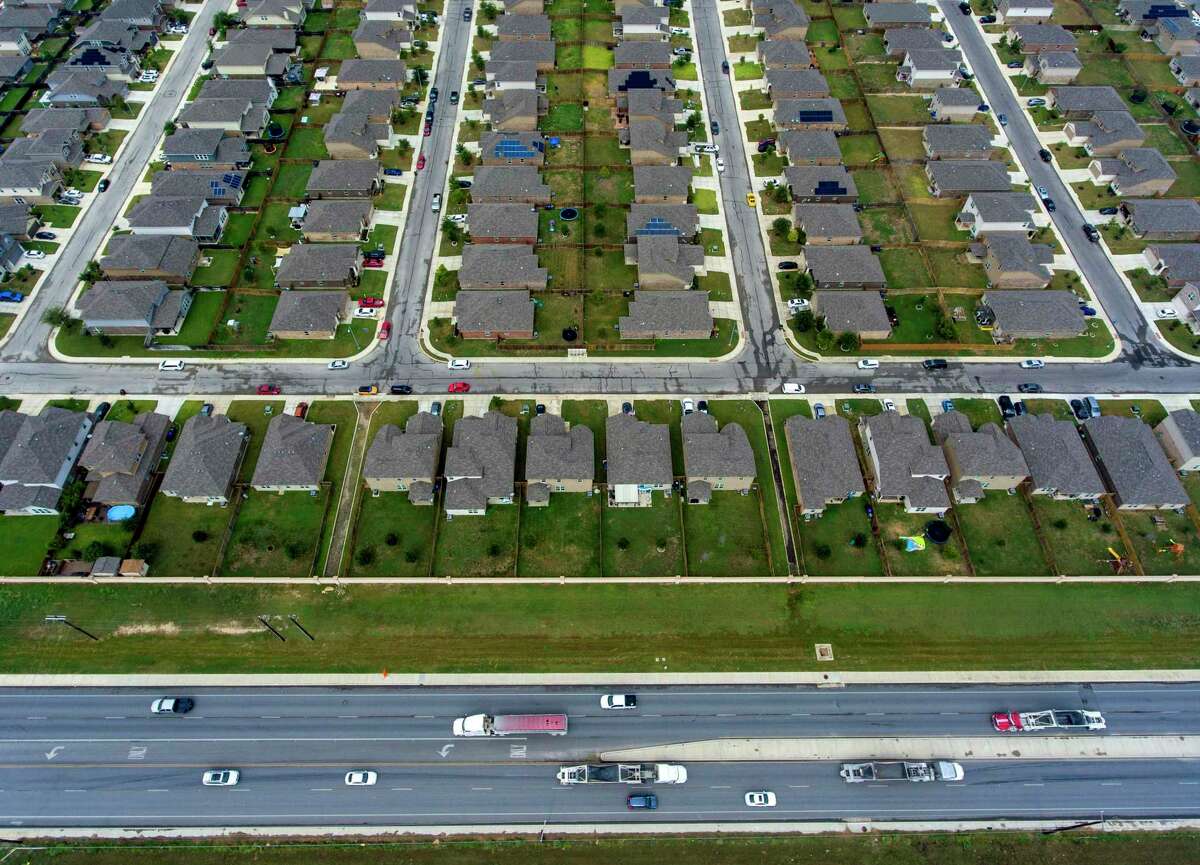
(824, 651)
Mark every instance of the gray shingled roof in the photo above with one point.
(832, 265)
(852, 311)
(969, 175)
(986, 453)
(809, 144)
(896, 13)
(1004, 206)
(1181, 215)
(682, 217)
(933, 60)
(501, 220)
(372, 72)
(1031, 311)
(317, 262)
(499, 265)
(642, 53)
(294, 452)
(666, 314)
(510, 104)
(824, 461)
(910, 467)
(669, 180)
(638, 452)
(1108, 128)
(166, 210)
(1186, 424)
(900, 40)
(508, 181)
(206, 457)
(258, 90)
(308, 311)
(1182, 260)
(537, 26)
(1134, 463)
(1033, 35)
(956, 96)
(34, 447)
(120, 457)
(1087, 98)
(777, 53)
(709, 453)
(552, 452)
(790, 111)
(653, 136)
(151, 252)
(783, 81)
(501, 311)
(122, 300)
(820, 181)
(413, 452)
(343, 175)
(337, 216)
(827, 220)
(943, 138)
(665, 254)
(198, 183)
(481, 464)
(1056, 457)
(538, 51)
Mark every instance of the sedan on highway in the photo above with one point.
(640, 801)
(618, 701)
(361, 778)
(221, 778)
(172, 706)
(760, 799)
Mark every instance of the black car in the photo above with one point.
(45, 235)
(626, 408)
(467, 14)
(429, 116)
(715, 127)
(893, 318)
(103, 185)
(1080, 409)
(433, 94)
(702, 406)
(540, 408)
(375, 254)
(864, 387)
(1049, 202)
(964, 8)
(206, 409)
(987, 19)
(1030, 387)
(453, 97)
(1092, 234)
(101, 411)
(1019, 405)
(1108, 211)
(934, 363)
(1045, 155)
(1006, 406)
(172, 431)
(400, 390)
(788, 265)
(725, 66)
(1015, 64)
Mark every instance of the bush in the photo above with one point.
(147, 550)
(859, 540)
(494, 550)
(805, 320)
(411, 556)
(823, 551)
(97, 550)
(848, 341)
(366, 556)
(1059, 524)
(622, 544)
(392, 539)
(824, 340)
(294, 549)
(781, 226)
(199, 536)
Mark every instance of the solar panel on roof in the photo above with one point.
(512, 148)
(658, 225)
(216, 189)
(232, 180)
(830, 187)
(822, 116)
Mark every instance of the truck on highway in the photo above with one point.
(902, 770)
(510, 725)
(1047, 719)
(623, 773)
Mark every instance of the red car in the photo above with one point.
(420, 162)
(458, 387)
(269, 390)
(371, 302)
(385, 330)
(428, 129)
(302, 409)
(372, 262)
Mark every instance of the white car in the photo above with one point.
(458, 363)
(618, 701)
(888, 405)
(1159, 312)
(760, 799)
(679, 31)
(689, 406)
(798, 304)
(177, 30)
(458, 218)
(365, 312)
(720, 165)
(793, 387)
(338, 364)
(170, 366)
(148, 77)
(34, 253)
(1033, 363)
(99, 158)
(361, 778)
(868, 364)
(221, 778)
(705, 148)
(436, 204)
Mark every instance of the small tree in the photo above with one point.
(824, 340)
(805, 320)
(781, 226)
(169, 128)
(56, 316)
(366, 556)
(199, 536)
(464, 156)
(780, 194)
(848, 341)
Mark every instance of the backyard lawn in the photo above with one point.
(1000, 536)
(397, 534)
(186, 537)
(644, 542)
(275, 535)
(26, 540)
(839, 543)
(725, 538)
(1079, 547)
(934, 560)
(1169, 547)
(483, 546)
(562, 538)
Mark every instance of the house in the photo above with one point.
(502, 223)
(1177, 263)
(661, 184)
(78, 119)
(949, 178)
(481, 464)
(1031, 11)
(784, 54)
(293, 456)
(261, 92)
(859, 312)
(389, 10)
(1080, 103)
(715, 460)
(11, 254)
(824, 462)
(978, 461)
(663, 262)
(809, 147)
(796, 84)
(651, 143)
(187, 217)
(986, 213)
(372, 75)
(63, 147)
(1107, 133)
(523, 28)
(1012, 261)
(351, 135)
(783, 20)
(1053, 67)
(337, 221)
(323, 265)
(248, 60)
(216, 187)
(829, 184)
(381, 40)
(502, 76)
(308, 315)
(512, 148)
(282, 40)
(37, 455)
(1133, 464)
(559, 458)
(233, 116)
(144, 14)
(1035, 38)
(649, 104)
(954, 103)
(29, 182)
(1034, 314)
(206, 460)
(906, 467)
(810, 114)
(345, 178)
(1177, 36)
(115, 36)
(622, 82)
(1186, 69)
(925, 69)
(505, 314)
(121, 459)
(639, 460)
(1179, 435)
(205, 148)
(1186, 304)
(515, 110)
(1163, 219)
(118, 65)
(509, 184)
(17, 221)
(14, 68)
(1058, 461)
(643, 22)
(679, 220)
(495, 266)
(523, 7)
(642, 55)
(966, 141)
(406, 460)
(133, 308)
(843, 267)
(1135, 172)
(33, 20)
(882, 16)
(667, 315)
(828, 223)
(276, 13)
(898, 41)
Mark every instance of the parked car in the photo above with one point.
(393, 172)
(867, 363)
(436, 204)
(1108, 211)
(1079, 409)
(751, 199)
(420, 162)
(1029, 387)
(798, 304)
(269, 390)
(172, 706)
(103, 185)
(45, 235)
(1166, 312)
(98, 158)
(1032, 363)
(1015, 64)
(368, 390)
(947, 405)
(789, 265)
(433, 97)
(1003, 118)
(1035, 102)
(1006, 405)
(1089, 311)
(372, 262)
(991, 19)
(1050, 206)
(964, 8)
(207, 409)
(11, 296)
(688, 406)
(888, 405)
(371, 302)
(1045, 155)
(715, 127)
(170, 366)
(766, 144)
(458, 387)
(34, 253)
(639, 801)
(301, 410)
(453, 97)
(400, 390)
(819, 410)
(725, 66)
(221, 778)
(1090, 232)
(385, 331)
(338, 364)
(467, 14)
(428, 129)
(793, 387)
(458, 363)
(720, 165)
(934, 363)
(864, 387)
(626, 408)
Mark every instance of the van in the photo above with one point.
(1093, 406)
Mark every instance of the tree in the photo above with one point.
(488, 10)
(464, 156)
(781, 226)
(199, 536)
(169, 128)
(780, 194)
(57, 316)
(420, 74)
(805, 320)
(97, 550)
(147, 550)
(824, 340)
(477, 61)
(693, 121)
(365, 556)
(848, 341)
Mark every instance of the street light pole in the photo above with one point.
(64, 620)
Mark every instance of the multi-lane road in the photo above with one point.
(84, 757)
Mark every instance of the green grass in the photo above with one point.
(1079, 547)
(831, 543)
(1156, 546)
(705, 201)
(898, 110)
(482, 546)
(114, 536)
(275, 535)
(170, 526)
(1000, 536)
(26, 540)
(398, 533)
(644, 542)
(562, 538)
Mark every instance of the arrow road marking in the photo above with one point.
(54, 752)
(445, 750)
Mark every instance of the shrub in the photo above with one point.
(294, 549)
(199, 536)
(365, 556)
(622, 544)
(392, 539)
(494, 550)
(411, 556)
(1059, 524)
(823, 551)
(97, 550)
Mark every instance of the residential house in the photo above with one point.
(1133, 464)
(187, 217)
(504, 314)
(515, 110)
(783, 20)
(966, 141)
(37, 454)
(661, 184)
(1031, 11)
(643, 22)
(1081, 102)
(784, 54)
(829, 184)
(321, 265)
(118, 65)
(843, 267)
(1146, 13)
(249, 60)
(622, 82)
(261, 92)
(233, 116)
(1186, 304)
(978, 461)
(882, 16)
(508, 75)
(481, 464)
(17, 221)
(29, 182)
(1034, 38)
(293, 456)
(308, 315)
(663, 262)
(406, 460)
(559, 458)
(133, 308)
(495, 266)
(1034, 314)
(206, 149)
(115, 36)
(143, 14)
(121, 459)
(381, 40)
(1135, 172)
(387, 75)
(276, 13)
(206, 460)
(640, 55)
(523, 28)
(930, 69)
(80, 120)
(337, 221)
(715, 460)
(828, 223)
(954, 103)
(810, 114)
(389, 10)
(649, 104)
(1177, 36)
(1162, 219)
(667, 315)
(509, 184)
(796, 84)
(639, 460)
(11, 254)
(905, 466)
(1107, 133)
(1058, 461)
(345, 178)
(63, 147)
(1053, 67)
(950, 178)
(512, 148)
(825, 466)
(540, 53)
(216, 187)
(14, 67)
(809, 147)
(352, 135)
(898, 41)
(1179, 435)
(282, 40)
(502, 223)
(1012, 261)
(523, 7)
(987, 213)
(680, 220)
(859, 312)
(1177, 263)
(651, 143)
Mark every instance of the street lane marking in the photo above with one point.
(345, 717)
(403, 789)
(1186, 783)
(798, 786)
(270, 717)
(36, 718)
(114, 717)
(157, 790)
(320, 789)
(74, 791)
(1034, 785)
(1110, 783)
(481, 789)
(719, 787)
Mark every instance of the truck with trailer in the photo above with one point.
(623, 773)
(1047, 719)
(902, 770)
(510, 725)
